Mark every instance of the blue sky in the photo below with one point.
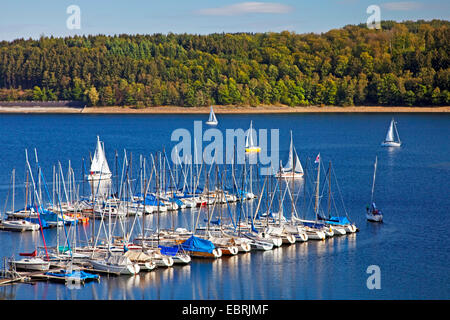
(32, 18)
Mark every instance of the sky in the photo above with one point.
(31, 18)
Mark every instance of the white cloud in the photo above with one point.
(246, 7)
(402, 6)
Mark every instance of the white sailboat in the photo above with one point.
(100, 175)
(389, 141)
(116, 263)
(372, 213)
(249, 144)
(212, 121)
(19, 224)
(292, 169)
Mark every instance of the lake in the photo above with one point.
(412, 188)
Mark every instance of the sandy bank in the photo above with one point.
(222, 110)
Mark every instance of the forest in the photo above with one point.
(404, 63)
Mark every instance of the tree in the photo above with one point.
(107, 97)
(92, 96)
(404, 63)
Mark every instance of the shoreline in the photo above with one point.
(226, 110)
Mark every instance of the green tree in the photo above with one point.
(92, 96)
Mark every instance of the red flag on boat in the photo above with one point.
(32, 254)
(317, 158)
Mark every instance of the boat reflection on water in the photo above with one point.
(8, 292)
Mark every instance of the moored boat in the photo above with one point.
(30, 264)
(19, 225)
(115, 263)
(390, 141)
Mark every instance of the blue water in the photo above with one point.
(412, 188)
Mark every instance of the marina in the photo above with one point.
(149, 218)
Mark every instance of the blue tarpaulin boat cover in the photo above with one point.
(313, 225)
(169, 251)
(197, 244)
(36, 220)
(338, 221)
(151, 201)
(77, 274)
(213, 221)
(197, 191)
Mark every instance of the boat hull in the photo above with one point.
(181, 259)
(252, 149)
(147, 266)
(261, 246)
(229, 250)
(316, 235)
(288, 175)
(339, 231)
(288, 239)
(301, 237)
(391, 144)
(129, 269)
(164, 261)
(19, 225)
(374, 217)
(216, 253)
(31, 264)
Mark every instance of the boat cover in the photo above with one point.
(197, 244)
(36, 221)
(26, 254)
(217, 222)
(135, 255)
(339, 221)
(169, 251)
(79, 274)
(313, 225)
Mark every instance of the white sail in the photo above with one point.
(395, 127)
(212, 116)
(249, 138)
(298, 165)
(390, 133)
(288, 166)
(99, 163)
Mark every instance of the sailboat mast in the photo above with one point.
(329, 189)
(26, 193)
(143, 212)
(293, 171)
(14, 187)
(293, 160)
(157, 197)
(373, 182)
(316, 207)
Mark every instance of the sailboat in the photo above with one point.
(212, 121)
(292, 169)
(17, 224)
(99, 175)
(313, 229)
(372, 213)
(389, 140)
(249, 144)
